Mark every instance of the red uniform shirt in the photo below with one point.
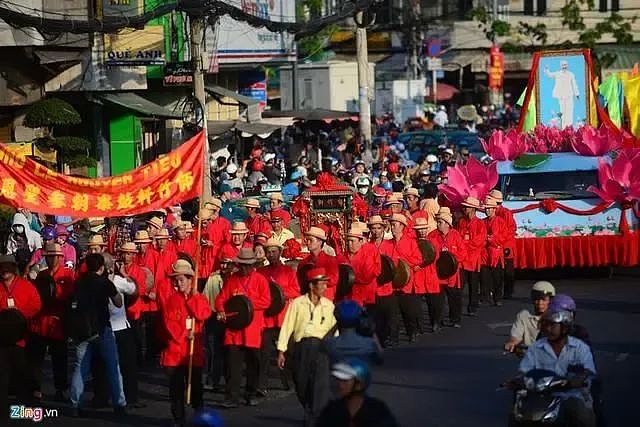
(512, 227)
(256, 288)
(474, 234)
(406, 249)
(453, 243)
(187, 246)
(497, 236)
(427, 279)
(286, 216)
(49, 322)
(139, 277)
(367, 266)
(258, 224)
(286, 277)
(330, 264)
(25, 298)
(176, 311)
(164, 267)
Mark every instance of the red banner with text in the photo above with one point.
(169, 180)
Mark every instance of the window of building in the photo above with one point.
(612, 5)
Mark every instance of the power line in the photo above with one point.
(112, 24)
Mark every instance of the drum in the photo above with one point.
(386, 274)
(346, 279)
(278, 300)
(302, 277)
(401, 274)
(446, 265)
(13, 327)
(239, 312)
(428, 252)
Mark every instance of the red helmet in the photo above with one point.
(257, 166)
(393, 168)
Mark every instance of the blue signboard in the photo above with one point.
(254, 85)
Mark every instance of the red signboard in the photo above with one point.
(496, 68)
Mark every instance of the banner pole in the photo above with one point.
(194, 287)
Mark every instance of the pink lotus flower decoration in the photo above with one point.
(596, 142)
(620, 180)
(503, 146)
(473, 179)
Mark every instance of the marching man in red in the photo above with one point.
(474, 234)
(15, 293)
(510, 244)
(491, 271)
(315, 239)
(244, 345)
(181, 241)
(404, 247)
(184, 315)
(365, 261)
(55, 285)
(286, 278)
(446, 239)
(426, 279)
(256, 223)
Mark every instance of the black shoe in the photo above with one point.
(61, 396)
(457, 325)
(435, 329)
(229, 404)
(136, 405)
(251, 402)
(208, 387)
(387, 343)
(412, 338)
(447, 323)
(472, 314)
(120, 411)
(262, 392)
(498, 304)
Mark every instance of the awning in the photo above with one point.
(55, 56)
(445, 92)
(452, 61)
(137, 103)
(252, 104)
(315, 114)
(262, 128)
(219, 127)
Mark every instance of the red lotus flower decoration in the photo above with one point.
(359, 207)
(595, 142)
(507, 146)
(292, 249)
(620, 180)
(472, 179)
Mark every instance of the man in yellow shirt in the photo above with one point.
(279, 232)
(308, 320)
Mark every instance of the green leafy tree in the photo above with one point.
(51, 113)
(313, 45)
(523, 35)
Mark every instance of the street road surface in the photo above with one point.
(450, 379)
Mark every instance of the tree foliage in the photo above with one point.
(313, 44)
(614, 25)
(51, 112)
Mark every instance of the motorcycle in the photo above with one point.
(536, 402)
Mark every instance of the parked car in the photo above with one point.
(421, 143)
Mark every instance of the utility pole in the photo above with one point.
(197, 26)
(362, 21)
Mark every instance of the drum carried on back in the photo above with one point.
(346, 280)
(428, 252)
(278, 300)
(401, 274)
(386, 274)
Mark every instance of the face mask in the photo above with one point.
(363, 190)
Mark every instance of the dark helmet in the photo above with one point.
(563, 302)
(206, 418)
(348, 314)
(353, 368)
(49, 233)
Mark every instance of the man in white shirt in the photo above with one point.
(125, 337)
(441, 118)
(564, 90)
(567, 357)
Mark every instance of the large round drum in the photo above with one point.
(346, 279)
(428, 252)
(401, 274)
(278, 300)
(239, 312)
(302, 277)
(446, 265)
(386, 274)
(13, 327)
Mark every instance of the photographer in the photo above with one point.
(356, 339)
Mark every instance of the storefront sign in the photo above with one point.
(178, 74)
(254, 85)
(496, 68)
(121, 7)
(234, 42)
(169, 180)
(135, 48)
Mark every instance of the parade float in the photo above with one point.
(572, 183)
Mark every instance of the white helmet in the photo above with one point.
(431, 158)
(232, 168)
(543, 288)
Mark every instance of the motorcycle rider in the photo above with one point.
(561, 353)
(565, 302)
(526, 328)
